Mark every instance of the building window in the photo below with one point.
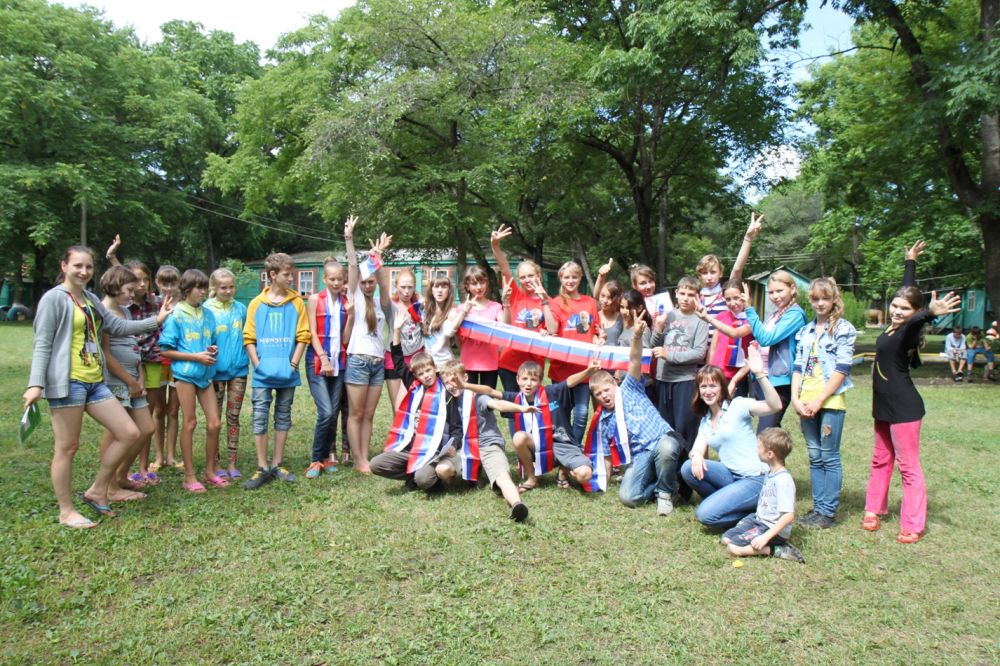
(264, 282)
(305, 282)
(970, 303)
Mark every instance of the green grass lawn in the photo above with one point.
(347, 569)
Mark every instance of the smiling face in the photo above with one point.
(645, 285)
(734, 300)
(900, 311)
(528, 278)
(78, 269)
(454, 382)
(225, 289)
(570, 278)
(710, 391)
(126, 295)
(779, 293)
(605, 300)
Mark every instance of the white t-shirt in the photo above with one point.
(364, 341)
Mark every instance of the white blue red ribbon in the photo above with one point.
(370, 266)
(539, 428)
(551, 347)
(419, 424)
(469, 453)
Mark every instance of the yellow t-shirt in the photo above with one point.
(813, 382)
(86, 366)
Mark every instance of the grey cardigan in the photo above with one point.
(50, 357)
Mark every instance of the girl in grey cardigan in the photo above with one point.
(67, 370)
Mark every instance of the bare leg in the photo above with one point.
(396, 392)
(187, 394)
(522, 447)
(372, 396)
(158, 410)
(125, 434)
(582, 474)
(213, 424)
(171, 434)
(747, 551)
(66, 424)
(280, 437)
(509, 490)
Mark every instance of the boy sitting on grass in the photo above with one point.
(766, 531)
(481, 432)
(542, 437)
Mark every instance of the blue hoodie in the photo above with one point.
(232, 361)
(781, 340)
(190, 330)
(276, 330)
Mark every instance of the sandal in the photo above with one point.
(906, 536)
(217, 481)
(870, 523)
(152, 478)
(523, 488)
(79, 524)
(562, 483)
(154, 467)
(102, 509)
(194, 487)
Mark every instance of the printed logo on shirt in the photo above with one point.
(275, 320)
(530, 318)
(579, 322)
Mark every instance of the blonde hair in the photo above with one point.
(777, 441)
(707, 262)
(530, 368)
(568, 266)
(453, 368)
(217, 275)
(436, 313)
(824, 287)
(786, 278)
(421, 360)
(601, 378)
(532, 265)
(395, 284)
(332, 261)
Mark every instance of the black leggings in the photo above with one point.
(773, 420)
(483, 377)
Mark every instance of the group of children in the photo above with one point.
(962, 351)
(444, 429)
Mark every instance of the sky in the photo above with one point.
(828, 30)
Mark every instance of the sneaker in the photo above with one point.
(519, 512)
(787, 551)
(313, 471)
(807, 520)
(818, 521)
(957, 376)
(330, 466)
(259, 478)
(283, 474)
(664, 507)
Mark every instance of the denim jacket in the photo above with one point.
(835, 350)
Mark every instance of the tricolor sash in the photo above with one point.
(416, 311)
(620, 452)
(419, 423)
(539, 427)
(551, 347)
(329, 332)
(370, 266)
(469, 453)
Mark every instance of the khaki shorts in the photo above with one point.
(494, 461)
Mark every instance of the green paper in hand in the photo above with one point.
(29, 421)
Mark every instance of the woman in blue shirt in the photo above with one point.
(730, 487)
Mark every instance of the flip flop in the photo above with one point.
(102, 509)
(178, 465)
(217, 481)
(220, 472)
(79, 524)
(235, 474)
(154, 467)
(152, 478)
(194, 487)
(524, 488)
(138, 478)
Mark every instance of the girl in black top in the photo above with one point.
(897, 407)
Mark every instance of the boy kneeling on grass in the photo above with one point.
(433, 435)
(766, 531)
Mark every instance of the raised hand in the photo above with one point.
(701, 312)
(606, 268)
(113, 248)
(754, 360)
(916, 250)
(756, 224)
(946, 305)
(745, 295)
(507, 289)
(349, 224)
(660, 321)
(166, 307)
(499, 234)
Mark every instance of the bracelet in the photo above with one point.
(760, 376)
(294, 364)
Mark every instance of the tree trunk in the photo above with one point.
(661, 239)
(989, 224)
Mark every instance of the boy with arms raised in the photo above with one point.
(766, 531)
(275, 335)
(627, 418)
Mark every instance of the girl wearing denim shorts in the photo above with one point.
(67, 369)
(366, 349)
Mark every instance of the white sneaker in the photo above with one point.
(664, 507)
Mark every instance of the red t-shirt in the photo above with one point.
(577, 319)
(728, 355)
(526, 312)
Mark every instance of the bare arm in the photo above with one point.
(761, 541)
(508, 407)
(582, 376)
(771, 404)
(353, 276)
(112, 252)
(485, 390)
(602, 277)
(733, 332)
(495, 237)
(635, 351)
(748, 238)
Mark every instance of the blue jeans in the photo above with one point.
(581, 408)
(282, 408)
(326, 393)
(822, 435)
(725, 497)
(82, 394)
(653, 472)
(364, 370)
